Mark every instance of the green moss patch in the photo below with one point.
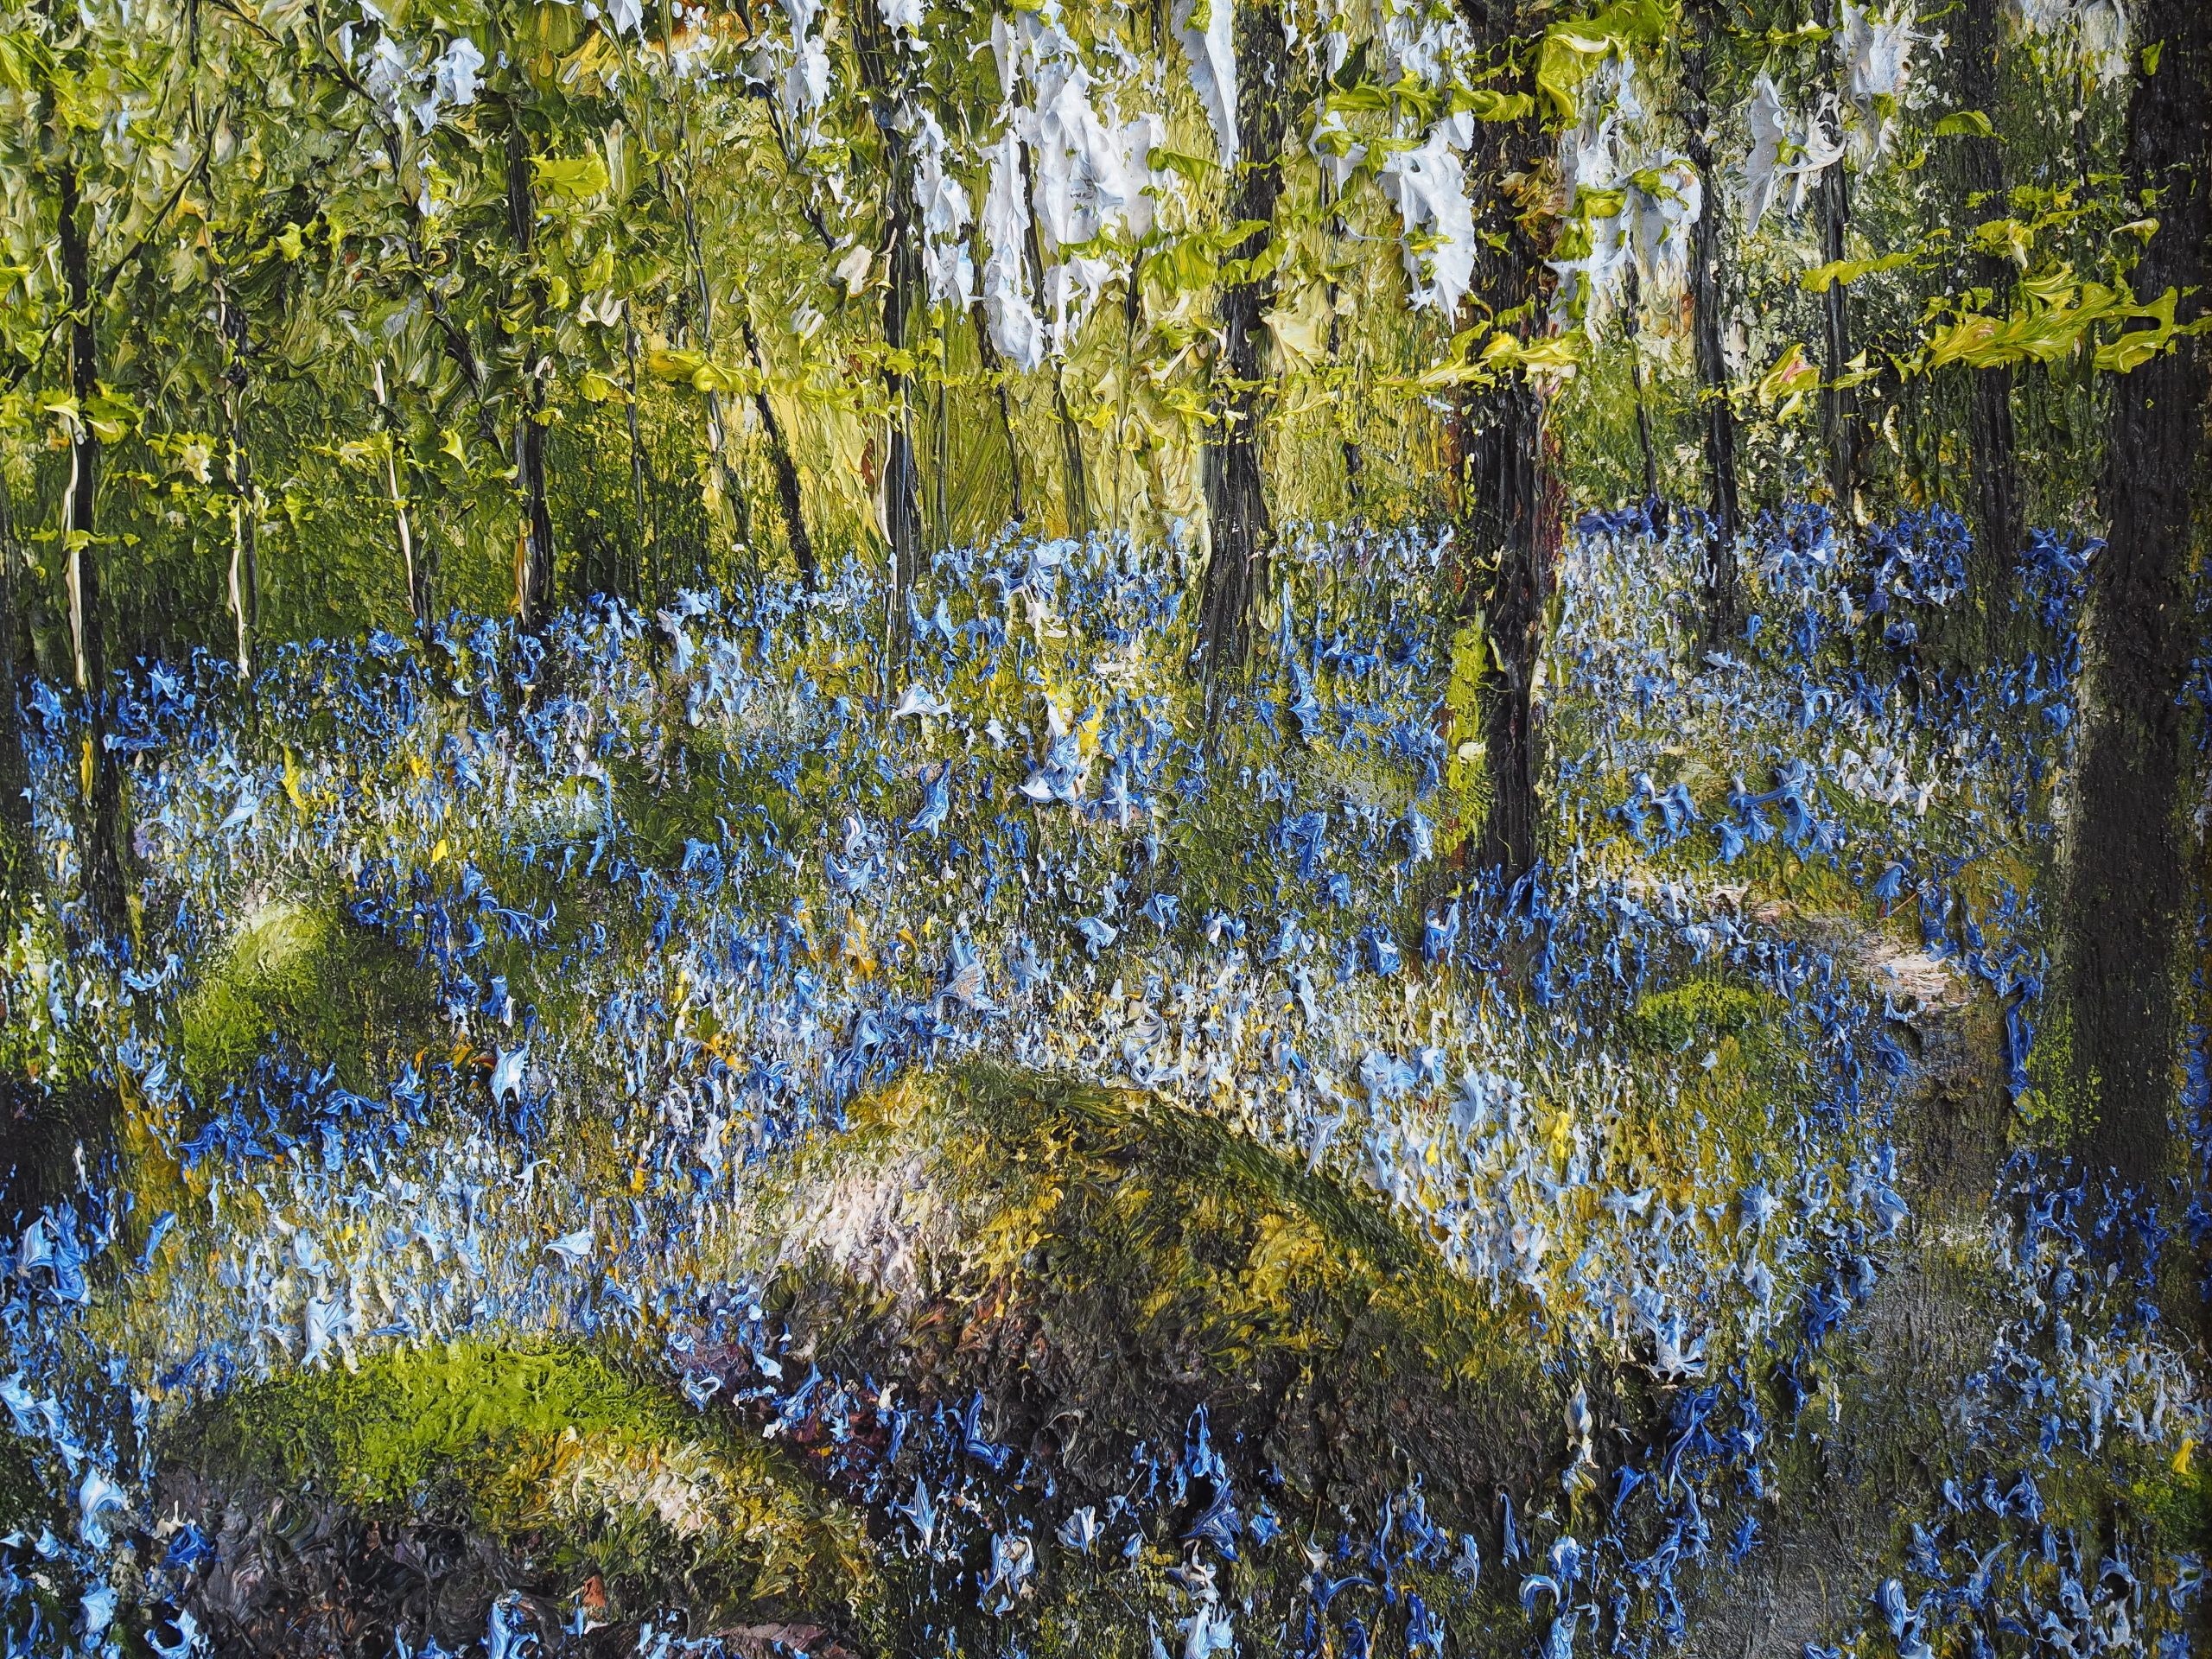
(340, 996)
(553, 1451)
(1703, 1011)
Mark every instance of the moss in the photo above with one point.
(1102, 1257)
(339, 995)
(552, 1448)
(1703, 1011)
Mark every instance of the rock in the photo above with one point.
(411, 1499)
(1099, 1264)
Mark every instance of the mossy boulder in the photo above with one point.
(1099, 1263)
(337, 994)
(408, 1497)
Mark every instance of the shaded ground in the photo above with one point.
(1877, 1444)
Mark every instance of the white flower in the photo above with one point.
(945, 217)
(807, 83)
(625, 16)
(387, 71)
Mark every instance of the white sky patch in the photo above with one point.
(1007, 306)
(1428, 187)
(1212, 52)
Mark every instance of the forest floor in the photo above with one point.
(690, 1135)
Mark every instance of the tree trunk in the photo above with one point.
(1630, 327)
(1075, 496)
(1998, 528)
(902, 491)
(640, 468)
(15, 845)
(1236, 507)
(1511, 509)
(1838, 403)
(2125, 888)
(779, 456)
(1724, 602)
(102, 833)
(244, 572)
(410, 572)
(1513, 540)
(995, 366)
(534, 579)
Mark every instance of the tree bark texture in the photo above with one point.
(1723, 596)
(2126, 889)
(1237, 505)
(1998, 528)
(534, 580)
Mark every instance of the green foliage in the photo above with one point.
(25, 1501)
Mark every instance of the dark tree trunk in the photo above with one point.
(1071, 469)
(995, 366)
(1074, 492)
(1723, 584)
(16, 846)
(1355, 460)
(1512, 534)
(640, 468)
(1631, 325)
(1998, 528)
(902, 484)
(1510, 520)
(102, 821)
(1237, 505)
(534, 579)
(779, 457)
(2125, 888)
(1838, 403)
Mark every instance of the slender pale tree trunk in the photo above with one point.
(417, 604)
(101, 775)
(2124, 902)
(244, 572)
